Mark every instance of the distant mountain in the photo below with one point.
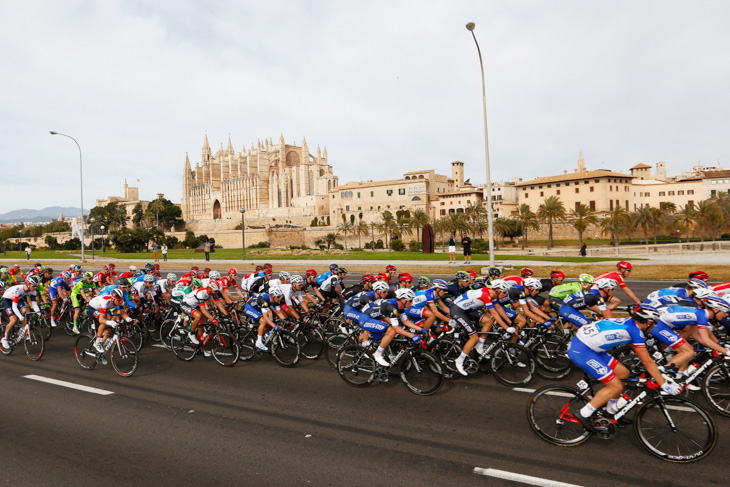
(44, 215)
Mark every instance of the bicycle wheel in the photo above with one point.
(356, 366)
(513, 364)
(44, 326)
(311, 342)
(165, 332)
(422, 373)
(150, 326)
(225, 349)
(246, 343)
(133, 333)
(124, 357)
(285, 348)
(334, 343)
(716, 389)
(547, 413)
(181, 346)
(552, 359)
(447, 351)
(688, 436)
(85, 351)
(33, 343)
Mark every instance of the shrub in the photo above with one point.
(379, 244)
(260, 245)
(397, 245)
(414, 245)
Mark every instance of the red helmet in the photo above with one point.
(368, 278)
(527, 272)
(311, 272)
(232, 271)
(557, 275)
(105, 268)
(472, 274)
(699, 275)
(193, 272)
(268, 266)
(195, 268)
(405, 277)
(382, 276)
(112, 266)
(157, 267)
(390, 268)
(268, 271)
(206, 270)
(259, 268)
(624, 265)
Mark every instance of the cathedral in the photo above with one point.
(275, 183)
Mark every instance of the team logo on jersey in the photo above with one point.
(595, 365)
(667, 334)
(613, 336)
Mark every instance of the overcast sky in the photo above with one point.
(386, 86)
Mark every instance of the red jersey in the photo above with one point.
(227, 282)
(512, 280)
(615, 275)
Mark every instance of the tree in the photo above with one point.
(706, 210)
(582, 217)
(552, 210)
(387, 225)
(330, 239)
(528, 221)
(455, 223)
(476, 215)
(345, 227)
(361, 229)
(687, 217)
(658, 217)
(643, 218)
(615, 222)
(51, 242)
(137, 214)
(403, 222)
(112, 215)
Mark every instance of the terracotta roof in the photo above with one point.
(572, 176)
(641, 166)
(721, 173)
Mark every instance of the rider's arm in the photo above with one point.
(649, 364)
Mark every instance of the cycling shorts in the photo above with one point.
(573, 315)
(555, 303)
(53, 293)
(376, 328)
(599, 365)
(667, 336)
(352, 314)
(511, 314)
(77, 300)
(414, 313)
(93, 313)
(9, 306)
(540, 300)
(252, 312)
(465, 319)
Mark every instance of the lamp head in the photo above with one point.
(53, 133)
(243, 210)
(470, 26)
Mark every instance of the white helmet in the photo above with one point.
(500, 285)
(276, 292)
(214, 275)
(296, 279)
(214, 285)
(703, 293)
(284, 275)
(380, 286)
(533, 283)
(606, 283)
(172, 276)
(132, 268)
(406, 294)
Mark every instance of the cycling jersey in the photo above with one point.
(195, 298)
(102, 303)
(164, 286)
(584, 300)
(610, 333)
(11, 299)
(57, 285)
(563, 290)
(16, 275)
(290, 293)
(615, 275)
(329, 284)
(722, 289)
(107, 290)
(677, 317)
(143, 290)
(227, 282)
(258, 305)
(474, 299)
(512, 280)
(323, 277)
(101, 278)
(424, 298)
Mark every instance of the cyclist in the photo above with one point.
(589, 350)
(293, 293)
(492, 274)
(424, 283)
(701, 275)
(353, 310)
(328, 289)
(226, 282)
(359, 295)
(14, 310)
(130, 274)
(559, 292)
(59, 287)
(16, 274)
(103, 277)
(99, 310)
(260, 284)
(431, 304)
(164, 286)
(191, 274)
(79, 296)
(392, 311)
(623, 269)
(260, 308)
(682, 295)
(195, 306)
(556, 279)
(405, 280)
(575, 302)
(524, 298)
(147, 291)
(125, 285)
(5, 276)
(390, 271)
(458, 286)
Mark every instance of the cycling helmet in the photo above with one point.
(77, 267)
(717, 303)
(206, 270)
(117, 293)
(368, 278)
(157, 267)
(149, 278)
(268, 266)
(703, 293)
(276, 292)
(440, 284)
(172, 276)
(284, 275)
(406, 294)
(88, 275)
(472, 274)
(424, 281)
(624, 265)
(478, 285)
(125, 282)
(381, 286)
(112, 266)
(405, 277)
(533, 283)
(4, 270)
(586, 279)
(48, 269)
(500, 285)
(646, 312)
(462, 276)
(33, 281)
(105, 268)
(333, 267)
(66, 275)
(195, 268)
(197, 283)
(193, 273)
(494, 272)
(699, 275)
(605, 283)
(311, 272)
(268, 271)
(259, 268)
(17, 266)
(214, 275)
(527, 272)
(232, 272)
(214, 285)
(149, 267)
(390, 268)
(557, 274)
(383, 276)
(296, 279)
(132, 268)
(341, 270)
(696, 284)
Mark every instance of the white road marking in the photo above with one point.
(70, 385)
(158, 345)
(516, 477)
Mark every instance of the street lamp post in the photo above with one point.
(102, 240)
(243, 233)
(81, 184)
(490, 218)
(91, 220)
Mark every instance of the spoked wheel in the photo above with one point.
(356, 366)
(33, 343)
(124, 357)
(311, 342)
(447, 351)
(68, 324)
(285, 348)
(547, 413)
(334, 343)
(716, 389)
(85, 351)
(552, 359)
(133, 333)
(422, 373)
(225, 349)
(44, 326)
(181, 345)
(690, 436)
(246, 343)
(165, 332)
(513, 364)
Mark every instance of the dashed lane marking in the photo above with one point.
(70, 385)
(517, 477)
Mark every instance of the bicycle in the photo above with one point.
(221, 345)
(419, 369)
(31, 337)
(550, 351)
(671, 428)
(122, 353)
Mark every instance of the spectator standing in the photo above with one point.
(583, 250)
(206, 247)
(27, 252)
(452, 249)
(156, 251)
(466, 243)
(164, 252)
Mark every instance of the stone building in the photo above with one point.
(275, 183)
(128, 201)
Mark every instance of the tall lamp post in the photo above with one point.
(91, 220)
(102, 240)
(243, 233)
(81, 184)
(490, 217)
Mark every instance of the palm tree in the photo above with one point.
(658, 217)
(331, 239)
(419, 219)
(361, 229)
(687, 217)
(456, 222)
(527, 219)
(439, 228)
(403, 222)
(615, 222)
(387, 225)
(643, 218)
(476, 214)
(552, 210)
(155, 207)
(582, 218)
(705, 213)
(345, 227)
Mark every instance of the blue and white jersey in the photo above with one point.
(107, 290)
(680, 292)
(677, 317)
(669, 297)
(60, 282)
(610, 333)
(323, 277)
(329, 284)
(424, 297)
(360, 300)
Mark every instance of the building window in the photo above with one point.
(713, 193)
(691, 203)
(389, 192)
(401, 190)
(647, 194)
(576, 183)
(671, 193)
(359, 208)
(558, 191)
(542, 194)
(591, 189)
(610, 202)
(610, 188)
(550, 185)
(598, 180)
(592, 205)
(690, 191)
(577, 190)
(371, 194)
(662, 193)
(525, 195)
(626, 188)
(585, 182)
(532, 187)
(358, 194)
(680, 193)
(627, 204)
(443, 212)
(557, 185)
(347, 207)
(577, 205)
(714, 181)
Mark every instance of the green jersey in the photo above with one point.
(563, 290)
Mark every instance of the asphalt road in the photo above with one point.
(178, 423)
